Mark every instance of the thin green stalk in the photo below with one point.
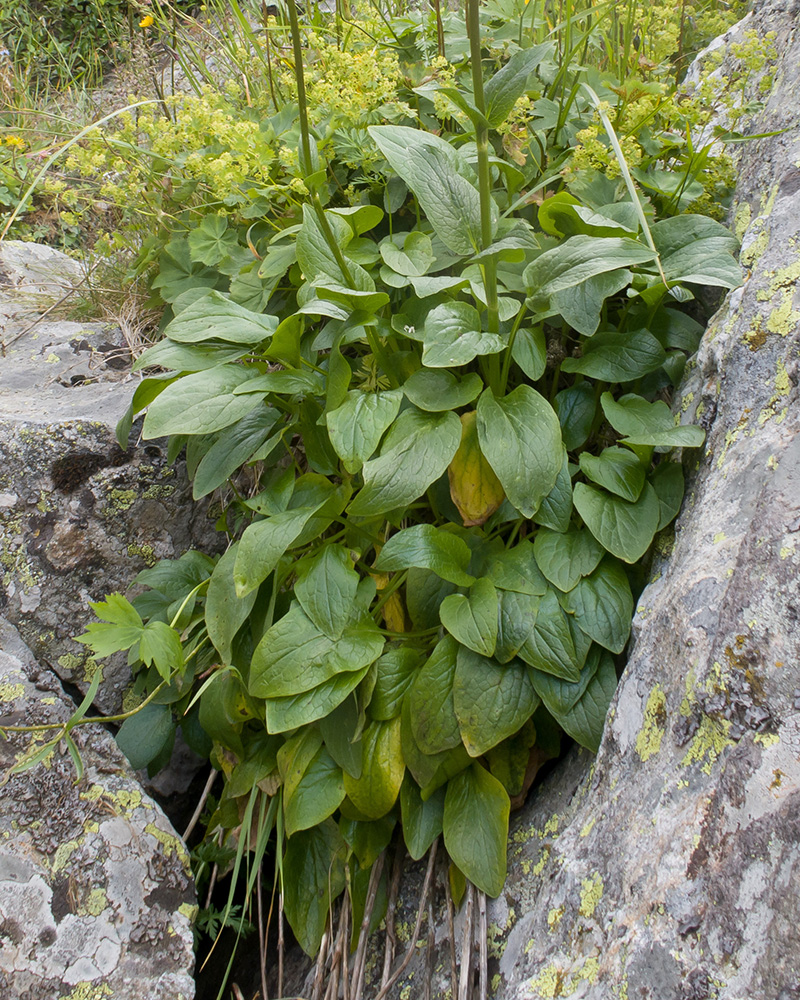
(512, 337)
(489, 267)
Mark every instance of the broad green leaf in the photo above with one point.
(313, 877)
(360, 218)
(376, 791)
(603, 605)
(176, 577)
(220, 714)
(340, 730)
(529, 350)
(317, 260)
(211, 241)
(474, 488)
(566, 557)
(555, 510)
(521, 438)
(476, 810)
(579, 258)
(560, 696)
(143, 736)
(117, 610)
(515, 620)
(427, 547)
(424, 593)
(444, 185)
(294, 756)
(509, 761)
(584, 721)
(285, 382)
(667, 481)
(294, 656)
(357, 426)
(452, 336)
(365, 299)
(315, 795)
(261, 761)
(233, 448)
(326, 589)
(409, 254)
(433, 719)
(186, 357)
(618, 357)
(201, 403)
(422, 821)
(516, 569)
(502, 91)
(395, 671)
(697, 249)
(491, 701)
(416, 452)
(473, 620)
(264, 542)
(368, 840)
(562, 215)
(549, 646)
(576, 408)
(643, 423)
(617, 469)
(625, 529)
(288, 713)
(124, 626)
(436, 390)
(215, 317)
(581, 305)
(430, 771)
(161, 645)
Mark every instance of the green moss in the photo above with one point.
(648, 742)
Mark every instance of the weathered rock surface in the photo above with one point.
(96, 897)
(669, 867)
(79, 517)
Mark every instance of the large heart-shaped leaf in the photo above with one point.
(427, 547)
(376, 791)
(430, 697)
(616, 469)
(625, 529)
(313, 877)
(491, 701)
(603, 605)
(566, 557)
(357, 426)
(473, 620)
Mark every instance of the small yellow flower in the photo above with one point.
(146, 21)
(15, 140)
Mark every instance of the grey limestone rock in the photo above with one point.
(669, 867)
(96, 896)
(79, 517)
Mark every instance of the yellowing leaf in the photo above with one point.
(474, 487)
(394, 613)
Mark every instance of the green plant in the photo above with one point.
(448, 447)
(436, 399)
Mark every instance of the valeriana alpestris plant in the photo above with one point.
(449, 449)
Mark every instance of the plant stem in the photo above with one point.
(489, 267)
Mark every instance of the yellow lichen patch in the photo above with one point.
(172, 844)
(63, 853)
(755, 250)
(588, 973)
(10, 692)
(591, 894)
(783, 387)
(549, 983)
(648, 742)
(551, 826)
(554, 917)
(741, 220)
(708, 743)
(544, 857)
(719, 537)
(587, 829)
(189, 910)
(496, 980)
(96, 902)
(766, 740)
(732, 436)
(88, 991)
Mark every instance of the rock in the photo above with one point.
(96, 896)
(79, 517)
(669, 867)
